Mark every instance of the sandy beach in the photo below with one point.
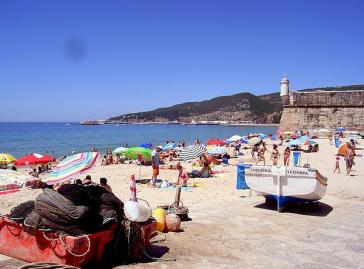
(233, 228)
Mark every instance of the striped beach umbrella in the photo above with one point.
(192, 152)
(72, 166)
(11, 181)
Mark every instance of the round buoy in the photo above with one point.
(173, 223)
(160, 216)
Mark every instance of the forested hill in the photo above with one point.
(238, 107)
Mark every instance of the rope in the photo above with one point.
(46, 265)
(146, 254)
(72, 253)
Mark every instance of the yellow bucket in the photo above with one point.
(160, 216)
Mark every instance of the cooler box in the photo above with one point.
(240, 180)
(32, 245)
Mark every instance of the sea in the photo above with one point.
(62, 138)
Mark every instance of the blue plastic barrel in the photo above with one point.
(296, 158)
(240, 180)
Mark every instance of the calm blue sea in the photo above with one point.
(61, 139)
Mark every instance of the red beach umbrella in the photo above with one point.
(216, 142)
(34, 158)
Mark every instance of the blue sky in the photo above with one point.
(72, 60)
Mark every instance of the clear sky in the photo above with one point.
(71, 60)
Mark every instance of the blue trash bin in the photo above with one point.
(240, 180)
(296, 158)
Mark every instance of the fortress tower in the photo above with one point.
(285, 90)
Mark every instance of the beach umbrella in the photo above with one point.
(144, 153)
(309, 142)
(12, 181)
(32, 159)
(295, 142)
(342, 150)
(119, 150)
(288, 133)
(254, 140)
(216, 150)
(7, 158)
(192, 152)
(323, 131)
(216, 142)
(234, 138)
(244, 139)
(72, 167)
(168, 146)
(340, 129)
(146, 145)
(262, 136)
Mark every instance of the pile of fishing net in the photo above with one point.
(73, 209)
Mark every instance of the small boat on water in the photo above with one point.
(286, 184)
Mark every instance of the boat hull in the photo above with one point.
(286, 184)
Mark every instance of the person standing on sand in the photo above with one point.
(337, 164)
(261, 153)
(155, 165)
(349, 156)
(275, 155)
(286, 156)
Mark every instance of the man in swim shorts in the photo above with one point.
(155, 165)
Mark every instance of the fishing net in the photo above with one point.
(20, 212)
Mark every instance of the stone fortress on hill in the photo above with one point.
(321, 109)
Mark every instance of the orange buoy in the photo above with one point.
(173, 223)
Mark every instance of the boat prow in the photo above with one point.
(286, 184)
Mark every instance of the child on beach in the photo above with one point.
(182, 175)
(337, 164)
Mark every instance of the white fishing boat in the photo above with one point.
(286, 184)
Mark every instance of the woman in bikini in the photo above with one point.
(275, 155)
(286, 156)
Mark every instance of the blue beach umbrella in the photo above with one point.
(146, 145)
(168, 146)
(340, 129)
(244, 140)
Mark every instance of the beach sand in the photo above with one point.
(234, 228)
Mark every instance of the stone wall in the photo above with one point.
(294, 117)
(327, 99)
(323, 109)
